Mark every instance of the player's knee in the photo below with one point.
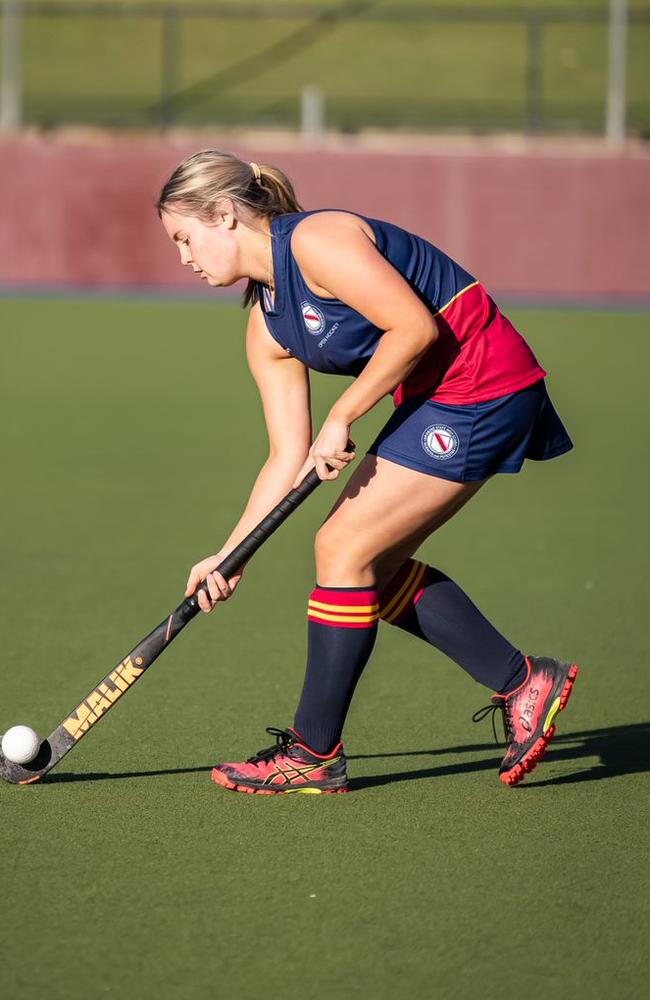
(325, 547)
(339, 551)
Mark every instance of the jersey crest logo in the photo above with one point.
(313, 318)
(440, 441)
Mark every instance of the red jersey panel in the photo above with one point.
(478, 355)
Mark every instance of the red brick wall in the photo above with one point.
(542, 223)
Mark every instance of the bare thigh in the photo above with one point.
(382, 516)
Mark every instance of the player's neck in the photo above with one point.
(257, 257)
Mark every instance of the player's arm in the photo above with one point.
(336, 255)
(338, 258)
(283, 385)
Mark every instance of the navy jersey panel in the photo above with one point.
(469, 443)
(329, 336)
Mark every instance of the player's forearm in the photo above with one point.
(397, 354)
(273, 482)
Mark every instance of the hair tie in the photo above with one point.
(257, 173)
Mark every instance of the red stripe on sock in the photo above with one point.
(343, 597)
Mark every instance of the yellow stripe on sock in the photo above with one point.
(387, 608)
(343, 618)
(396, 612)
(404, 594)
(343, 607)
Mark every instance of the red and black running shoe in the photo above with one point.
(529, 712)
(287, 766)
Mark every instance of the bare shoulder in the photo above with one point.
(312, 230)
(324, 239)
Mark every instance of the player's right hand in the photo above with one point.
(219, 588)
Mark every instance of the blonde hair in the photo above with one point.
(202, 180)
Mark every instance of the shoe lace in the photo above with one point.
(283, 741)
(493, 709)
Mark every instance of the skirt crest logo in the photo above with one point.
(440, 441)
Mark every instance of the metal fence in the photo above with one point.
(344, 67)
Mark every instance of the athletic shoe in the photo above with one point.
(287, 766)
(528, 714)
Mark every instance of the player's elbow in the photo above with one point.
(289, 455)
(424, 333)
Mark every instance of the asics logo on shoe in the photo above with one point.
(531, 705)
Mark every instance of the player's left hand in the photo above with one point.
(328, 453)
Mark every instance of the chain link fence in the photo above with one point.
(371, 65)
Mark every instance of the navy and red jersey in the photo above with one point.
(478, 355)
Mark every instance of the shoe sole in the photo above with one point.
(220, 778)
(531, 759)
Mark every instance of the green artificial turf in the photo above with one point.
(130, 435)
(454, 70)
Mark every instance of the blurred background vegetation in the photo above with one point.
(418, 65)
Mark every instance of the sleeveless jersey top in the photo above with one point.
(478, 354)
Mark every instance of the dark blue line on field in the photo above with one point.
(230, 296)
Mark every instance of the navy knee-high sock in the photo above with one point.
(342, 627)
(426, 603)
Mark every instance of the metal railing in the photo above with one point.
(157, 65)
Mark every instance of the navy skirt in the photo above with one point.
(467, 443)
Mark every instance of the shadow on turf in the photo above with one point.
(108, 776)
(621, 749)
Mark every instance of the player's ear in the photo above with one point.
(225, 215)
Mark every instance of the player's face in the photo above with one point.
(210, 249)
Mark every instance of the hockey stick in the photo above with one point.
(102, 697)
